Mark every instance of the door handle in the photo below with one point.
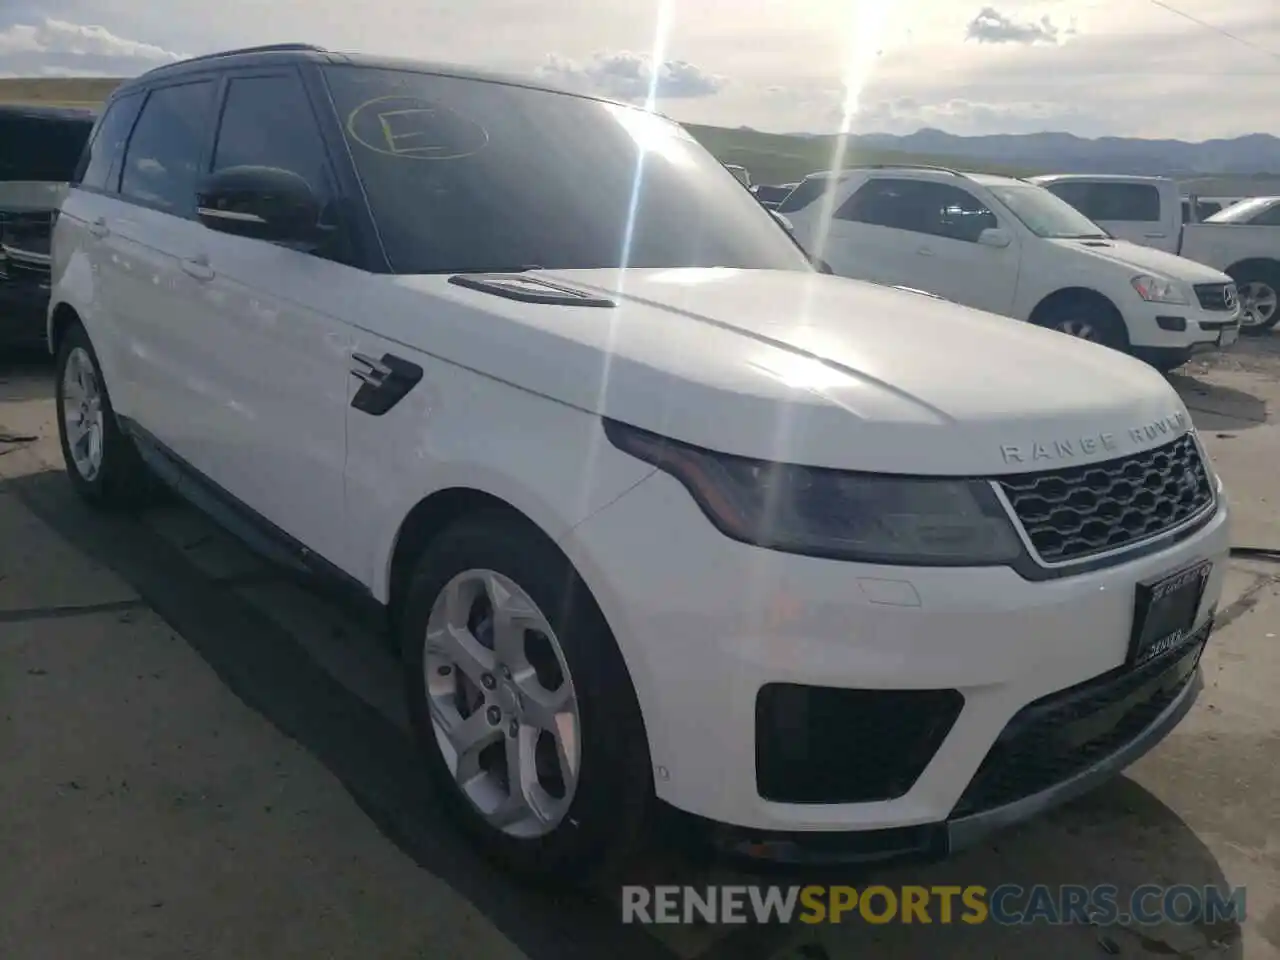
(98, 228)
(925, 252)
(198, 267)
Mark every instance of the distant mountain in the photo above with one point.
(1257, 153)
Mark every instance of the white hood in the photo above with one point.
(805, 368)
(1139, 259)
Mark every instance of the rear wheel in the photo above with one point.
(522, 705)
(1259, 298)
(102, 461)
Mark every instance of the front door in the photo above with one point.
(277, 353)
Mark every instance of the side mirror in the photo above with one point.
(260, 203)
(995, 237)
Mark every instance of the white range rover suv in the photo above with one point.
(1013, 248)
(837, 569)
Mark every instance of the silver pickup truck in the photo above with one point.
(39, 150)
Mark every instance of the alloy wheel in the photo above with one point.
(502, 703)
(82, 412)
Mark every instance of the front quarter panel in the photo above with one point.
(461, 429)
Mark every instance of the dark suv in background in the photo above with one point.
(39, 150)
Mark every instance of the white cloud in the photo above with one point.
(624, 75)
(56, 47)
(992, 26)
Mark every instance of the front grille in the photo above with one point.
(1054, 738)
(1076, 512)
(1216, 296)
(832, 745)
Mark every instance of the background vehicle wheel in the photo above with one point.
(522, 705)
(1259, 298)
(1087, 318)
(102, 462)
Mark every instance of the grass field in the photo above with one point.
(771, 158)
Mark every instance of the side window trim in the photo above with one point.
(218, 82)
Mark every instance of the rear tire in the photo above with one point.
(102, 461)
(499, 691)
(1259, 290)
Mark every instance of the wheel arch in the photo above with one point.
(1263, 264)
(61, 317)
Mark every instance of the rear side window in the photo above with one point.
(804, 194)
(1117, 202)
(102, 156)
(162, 165)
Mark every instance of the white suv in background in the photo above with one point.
(1010, 247)
(656, 509)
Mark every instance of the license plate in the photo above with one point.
(1165, 612)
(1228, 336)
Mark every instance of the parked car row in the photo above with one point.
(656, 510)
(1013, 248)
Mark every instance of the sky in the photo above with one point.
(1141, 68)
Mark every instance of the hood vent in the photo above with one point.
(527, 289)
(1095, 243)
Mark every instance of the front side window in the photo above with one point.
(162, 164)
(467, 176)
(920, 206)
(102, 155)
(267, 122)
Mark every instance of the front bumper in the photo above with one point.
(705, 624)
(1181, 327)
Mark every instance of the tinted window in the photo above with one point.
(1268, 218)
(162, 166)
(102, 156)
(267, 122)
(468, 176)
(41, 146)
(920, 206)
(808, 190)
(1123, 202)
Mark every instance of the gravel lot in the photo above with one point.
(203, 759)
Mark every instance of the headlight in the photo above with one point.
(1156, 290)
(875, 518)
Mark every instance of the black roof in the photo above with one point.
(284, 53)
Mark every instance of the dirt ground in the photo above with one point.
(201, 758)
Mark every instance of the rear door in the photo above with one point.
(149, 241)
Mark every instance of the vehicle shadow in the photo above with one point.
(1215, 406)
(24, 374)
(1121, 835)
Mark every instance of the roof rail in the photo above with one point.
(909, 166)
(266, 48)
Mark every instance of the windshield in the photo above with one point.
(1242, 211)
(467, 176)
(1046, 215)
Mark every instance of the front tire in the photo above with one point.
(102, 461)
(521, 704)
(1086, 319)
